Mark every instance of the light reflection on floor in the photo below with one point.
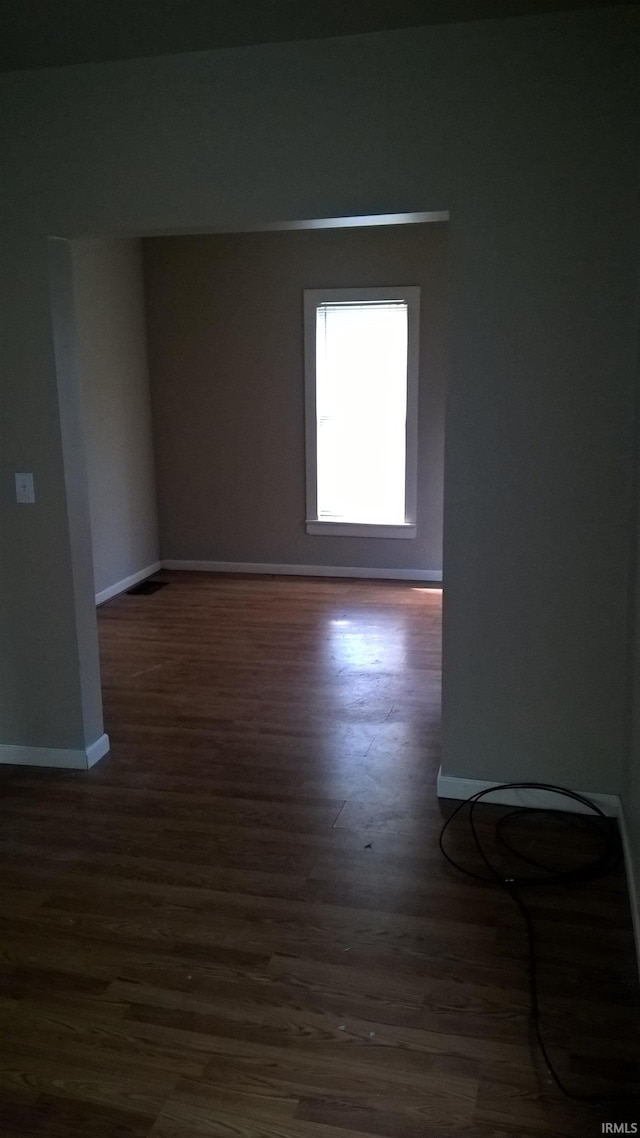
(381, 680)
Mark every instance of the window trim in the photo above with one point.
(313, 298)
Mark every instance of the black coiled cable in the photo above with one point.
(606, 860)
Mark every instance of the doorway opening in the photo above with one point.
(186, 355)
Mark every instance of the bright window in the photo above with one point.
(361, 366)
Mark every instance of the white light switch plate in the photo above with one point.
(24, 488)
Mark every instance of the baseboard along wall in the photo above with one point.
(632, 882)
(434, 575)
(127, 583)
(461, 788)
(76, 759)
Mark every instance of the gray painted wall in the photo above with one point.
(226, 355)
(111, 356)
(526, 130)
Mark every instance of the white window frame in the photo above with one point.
(313, 298)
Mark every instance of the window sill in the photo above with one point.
(359, 529)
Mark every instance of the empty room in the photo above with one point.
(320, 791)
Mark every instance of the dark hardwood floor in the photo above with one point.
(239, 923)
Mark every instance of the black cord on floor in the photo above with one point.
(607, 859)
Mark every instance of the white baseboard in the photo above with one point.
(461, 788)
(96, 751)
(434, 575)
(66, 758)
(127, 583)
(634, 892)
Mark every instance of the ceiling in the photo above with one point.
(54, 33)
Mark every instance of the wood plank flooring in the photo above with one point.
(239, 923)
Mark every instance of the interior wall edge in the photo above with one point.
(64, 335)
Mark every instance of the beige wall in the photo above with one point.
(111, 359)
(226, 357)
